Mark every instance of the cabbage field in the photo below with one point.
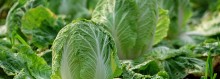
(109, 39)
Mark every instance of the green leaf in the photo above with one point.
(162, 26)
(34, 18)
(204, 48)
(21, 75)
(18, 10)
(132, 24)
(82, 50)
(39, 26)
(146, 70)
(16, 16)
(177, 63)
(24, 64)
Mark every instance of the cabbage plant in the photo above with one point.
(136, 25)
(83, 51)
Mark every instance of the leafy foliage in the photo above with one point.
(177, 63)
(18, 10)
(35, 25)
(24, 63)
(204, 48)
(143, 70)
(149, 36)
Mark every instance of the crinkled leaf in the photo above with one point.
(204, 48)
(34, 23)
(144, 70)
(177, 63)
(83, 51)
(39, 26)
(18, 10)
(25, 63)
(162, 26)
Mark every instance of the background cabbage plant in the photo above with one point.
(136, 25)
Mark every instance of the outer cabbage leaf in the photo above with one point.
(132, 24)
(18, 10)
(83, 51)
(177, 63)
(204, 48)
(147, 70)
(24, 64)
(36, 24)
(162, 26)
(39, 26)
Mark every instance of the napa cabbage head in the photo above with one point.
(82, 50)
(134, 24)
